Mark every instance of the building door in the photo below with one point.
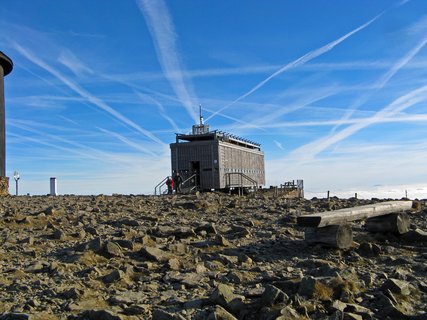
(195, 169)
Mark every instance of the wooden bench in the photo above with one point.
(331, 228)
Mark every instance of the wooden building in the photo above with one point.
(214, 160)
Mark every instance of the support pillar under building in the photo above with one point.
(6, 66)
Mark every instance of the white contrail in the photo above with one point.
(384, 79)
(68, 59)
(395, 119)
(162, 110)
(313, 148)
(79, 149)
(297, 105)
(125, 140)
(83, 93)
(160, 24)
(300, 61)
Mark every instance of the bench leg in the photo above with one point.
(337, 236)
(397, 223)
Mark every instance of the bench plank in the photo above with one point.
(343, 216)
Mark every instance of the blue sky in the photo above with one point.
(335, 91)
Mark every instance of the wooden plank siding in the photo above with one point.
(217, 158)
(204, 152)
(237, 159)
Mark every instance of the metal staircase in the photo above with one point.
(158, 188)
(188, 185)
(241, 178)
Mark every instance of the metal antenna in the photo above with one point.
(201, 116)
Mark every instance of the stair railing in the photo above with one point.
(240, 184)
(189, 179)
(159, 186)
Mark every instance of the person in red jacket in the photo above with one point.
(170, 185)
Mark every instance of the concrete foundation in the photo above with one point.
(4, 186)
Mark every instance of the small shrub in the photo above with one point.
(341, 286)
(323, 292)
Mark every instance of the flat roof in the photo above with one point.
(218, 135)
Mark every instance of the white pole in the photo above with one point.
(53, 191)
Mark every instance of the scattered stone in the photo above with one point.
(183, 233)
(352, 316)
(355, 308)
(307, 287)
(50, 211)
(396, 286)
(174, 264)
(113, 276)
(58, 234)
(289, 313)
(159, 314)
(219, 313)
(99, 315)
(36, 267)
(155, 254)
(224, 296)
(240, 231)
(208, 228)
(128, 222)
(272, 296)
(369, 249)
(221, 241)
(91, 230)
(71, 293)
(212, 257)
(415, 236)
(178, 248)
(339, 305)
(95, 245)
(112, 249)
(16, 316)
(127, 244)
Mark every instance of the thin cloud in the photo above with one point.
(300, 61)
(78, 148)
(85, 94)
(81, 152)
(395, 119)
(128, 142)
(278, 145)
(68, 120)
(381, 83)
(295, 106)
(160, 24)
(161, 108)
(37, 124)
(310, 150)
(231, 71)
(68, 59)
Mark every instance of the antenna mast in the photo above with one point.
(201, 116)
(201, 128)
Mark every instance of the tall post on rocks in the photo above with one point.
(6, 66)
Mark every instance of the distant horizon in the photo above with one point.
(413, 192)
(335, 92)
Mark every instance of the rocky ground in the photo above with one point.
(205, 256)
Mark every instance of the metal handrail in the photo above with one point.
(242, 175)
(158, 188)
(160, 185)
(188, 179)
